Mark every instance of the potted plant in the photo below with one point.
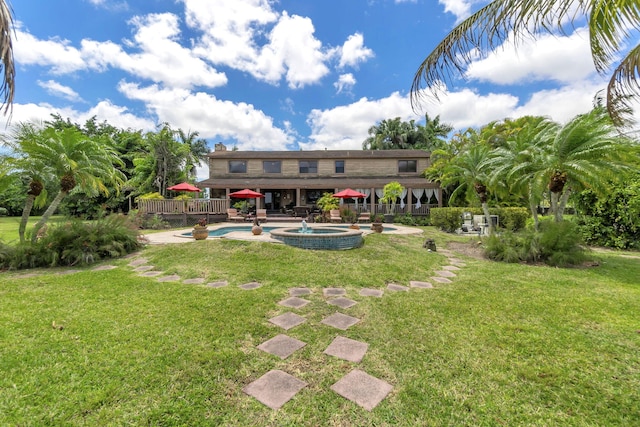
(376, 223)
(327, 203)
(200, 230)
(390, 195)
(256, 229)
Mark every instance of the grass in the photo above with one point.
(9, 227)
(504, 344)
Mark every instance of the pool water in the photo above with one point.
(219, 232)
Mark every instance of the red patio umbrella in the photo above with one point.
(184, 186)
(349, 194)
(246, 194)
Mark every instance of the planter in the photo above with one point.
(200, 233)
(256, 230)
(388, 218)
(377, 227)
(354, 227)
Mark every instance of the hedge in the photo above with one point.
(450, 219)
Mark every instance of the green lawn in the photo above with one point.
(503, 345)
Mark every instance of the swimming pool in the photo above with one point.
(219, 232)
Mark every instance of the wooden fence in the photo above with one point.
(204, 206)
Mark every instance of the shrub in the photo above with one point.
(77, 243)
(3, 211)
(447, 219)
(557, 244)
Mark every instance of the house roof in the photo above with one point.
(322, 154)
(315, 183)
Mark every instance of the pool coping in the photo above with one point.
(175, 236)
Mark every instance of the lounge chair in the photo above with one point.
(261, 215)
(364, 217)
(233, 215)
(334, 215)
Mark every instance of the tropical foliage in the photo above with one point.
(395, 134)
(613, 29)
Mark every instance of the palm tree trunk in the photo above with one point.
(554, 206)
(48, 213)
(534, 213)
(563, 202)
(485, 210)
(26, 211)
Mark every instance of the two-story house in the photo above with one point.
(298, 178)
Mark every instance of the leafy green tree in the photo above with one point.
(77, 161)
(611, 25)
(389, 134)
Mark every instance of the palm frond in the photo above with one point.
(623, 87)
(7, 88)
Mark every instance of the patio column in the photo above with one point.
(409, 199)
(259, 200)
(298, 202)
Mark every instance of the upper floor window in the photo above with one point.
(272, 166)
(339, 166)
(237, 166)
(308, 166)
(407, 166)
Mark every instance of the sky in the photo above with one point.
(277, 75)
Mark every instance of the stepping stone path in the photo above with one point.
(277, 387)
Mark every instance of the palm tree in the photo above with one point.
(432, 134)
(587, 152)
(7, 89)
(24, 160)
(196, 151)
(390, 134)
(469, 172)
(78, 161)
(610, 24)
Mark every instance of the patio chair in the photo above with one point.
(233, 215)
(334, 215)
(261, 215)
(364, 217)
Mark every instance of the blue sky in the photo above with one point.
(277, 75)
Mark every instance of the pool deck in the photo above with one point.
(175, 236)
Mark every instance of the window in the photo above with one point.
(308, 166)
(407, 166)
(272, 166)
(237, 166)
(339, 166)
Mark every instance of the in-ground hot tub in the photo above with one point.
(319, 238)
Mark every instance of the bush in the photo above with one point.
(447, 219)
(557, 244)
(3, 211)
(450, 219)
(75, 243)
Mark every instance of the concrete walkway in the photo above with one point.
(177, 236)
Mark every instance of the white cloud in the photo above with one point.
(353, 51)
(460, 8)
(212, 117)
(110, 5)
(55, 53)
(345, 127)
(115, 115)
(556, 58)
(56, 89)
(345, 83)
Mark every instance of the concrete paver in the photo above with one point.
(250, 286)
(441, 279)
(366, 292)
(333, 292)
(294, 302)
(342, 302)
(347, 349)
(275, 388)
(394, 287)
(288, 320)
(423, 285)
(217, 284)
(281, 346)
(298, 292)
(362, 389)
(340, 321)
(169, 278)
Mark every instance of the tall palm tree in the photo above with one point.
(7, 88)
(611, 24)
(432, 135)
(77, 161)
(389, 134)
(195, 153)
